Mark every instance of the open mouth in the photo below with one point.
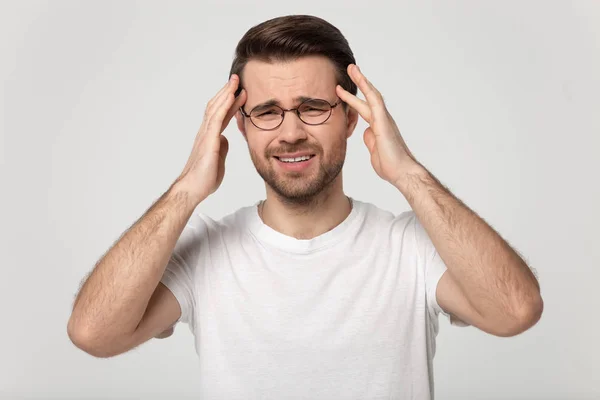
(295, 159)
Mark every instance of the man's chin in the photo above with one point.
(296, 191)
(297, 186)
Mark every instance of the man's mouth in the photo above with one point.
(295, 159)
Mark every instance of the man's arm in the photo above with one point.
(122, 303)
(115, 300)
(487, 285)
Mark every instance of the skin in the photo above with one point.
(488, 285)
(307, 203)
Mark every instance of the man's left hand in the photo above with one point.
(390, 157)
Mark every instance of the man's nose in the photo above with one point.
(292, 129)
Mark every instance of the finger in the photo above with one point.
(225, 103)
(232, 82)
(372, 95)
(369, 139)
(210, 107)
(217, 95)
(359, 105)
(217, 119)
(209, 111)
(239, 102)
(223, 148)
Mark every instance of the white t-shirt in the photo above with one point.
(350, 314)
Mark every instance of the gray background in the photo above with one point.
(101, 102)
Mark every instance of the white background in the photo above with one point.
(101, 102)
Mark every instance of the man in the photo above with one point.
(310, 293)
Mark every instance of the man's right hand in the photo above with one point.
(205, 167)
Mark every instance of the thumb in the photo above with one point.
(369, 139)
(223, 148)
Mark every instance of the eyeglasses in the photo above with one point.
(310, 111)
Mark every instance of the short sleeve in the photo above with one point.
(434, 268)
(179, 275)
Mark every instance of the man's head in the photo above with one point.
(283, 62)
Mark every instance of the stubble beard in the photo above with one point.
(300, 188)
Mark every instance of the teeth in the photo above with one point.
(297, 159)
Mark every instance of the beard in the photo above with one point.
(300, 187)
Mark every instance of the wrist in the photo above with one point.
(189, 194)
(410, 178)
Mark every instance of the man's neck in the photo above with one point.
(306, 221)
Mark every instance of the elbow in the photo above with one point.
(531, 313)
(528, 316)
(86, 340)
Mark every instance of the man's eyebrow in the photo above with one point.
(275, 102)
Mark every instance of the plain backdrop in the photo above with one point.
(101, 102)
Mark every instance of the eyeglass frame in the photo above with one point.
(284, 110)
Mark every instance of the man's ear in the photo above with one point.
(240, 119)
(351, 120)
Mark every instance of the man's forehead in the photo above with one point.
(289, 81)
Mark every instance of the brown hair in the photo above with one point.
(291, 37)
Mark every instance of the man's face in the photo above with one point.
(308, 77)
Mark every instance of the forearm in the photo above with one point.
(493, 277)
(112, 301)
